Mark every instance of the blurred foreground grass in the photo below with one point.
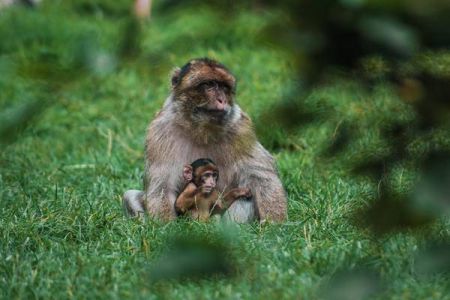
(62, 230)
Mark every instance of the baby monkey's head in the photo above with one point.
(203, 173)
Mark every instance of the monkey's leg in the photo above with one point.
(241, 211)
(133, 203)
(160, 184)
(161, 206)
(258, 172)
(269, 198)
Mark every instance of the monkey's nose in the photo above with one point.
(220, 104)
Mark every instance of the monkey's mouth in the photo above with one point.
(207, 189)
(215, 113)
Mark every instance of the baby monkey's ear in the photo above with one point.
(188, 173)
(175, 78)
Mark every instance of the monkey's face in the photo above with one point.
(208, 181)
(204, 90)
(205, 178)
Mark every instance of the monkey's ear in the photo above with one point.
(188, 173)
(175, 78)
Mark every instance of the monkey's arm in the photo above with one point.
(223, 203)
(186, 199)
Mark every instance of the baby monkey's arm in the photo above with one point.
(186, 199)
(223, 203)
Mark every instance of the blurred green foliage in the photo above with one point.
(351, 80)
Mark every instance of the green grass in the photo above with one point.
(62, 230)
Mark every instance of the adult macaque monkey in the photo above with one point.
(201, 119)
(200, 198)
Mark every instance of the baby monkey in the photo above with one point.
(200, 198)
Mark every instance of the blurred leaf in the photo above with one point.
(432, 193)
(342, 137)
(389, 36)
(117, 8)
(193, 256)
(7, 69)
(16, 119)
(392, 212)
(352, 284)
(131, 38)
(372, 167)
(224, 6)
(375, 67)
(433, 260)
(434, 106)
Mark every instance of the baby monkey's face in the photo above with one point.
(203, 173)
(208, 181)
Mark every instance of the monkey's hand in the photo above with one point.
(190, 190)
(186, 200)
(238, 193)
(244, 193)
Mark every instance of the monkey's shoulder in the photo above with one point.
(190, 188)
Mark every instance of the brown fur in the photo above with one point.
(177, 135)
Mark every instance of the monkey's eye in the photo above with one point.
(225, 88)
(208, 85)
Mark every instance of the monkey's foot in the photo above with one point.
(133, 204)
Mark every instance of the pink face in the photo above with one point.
(218, 94)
